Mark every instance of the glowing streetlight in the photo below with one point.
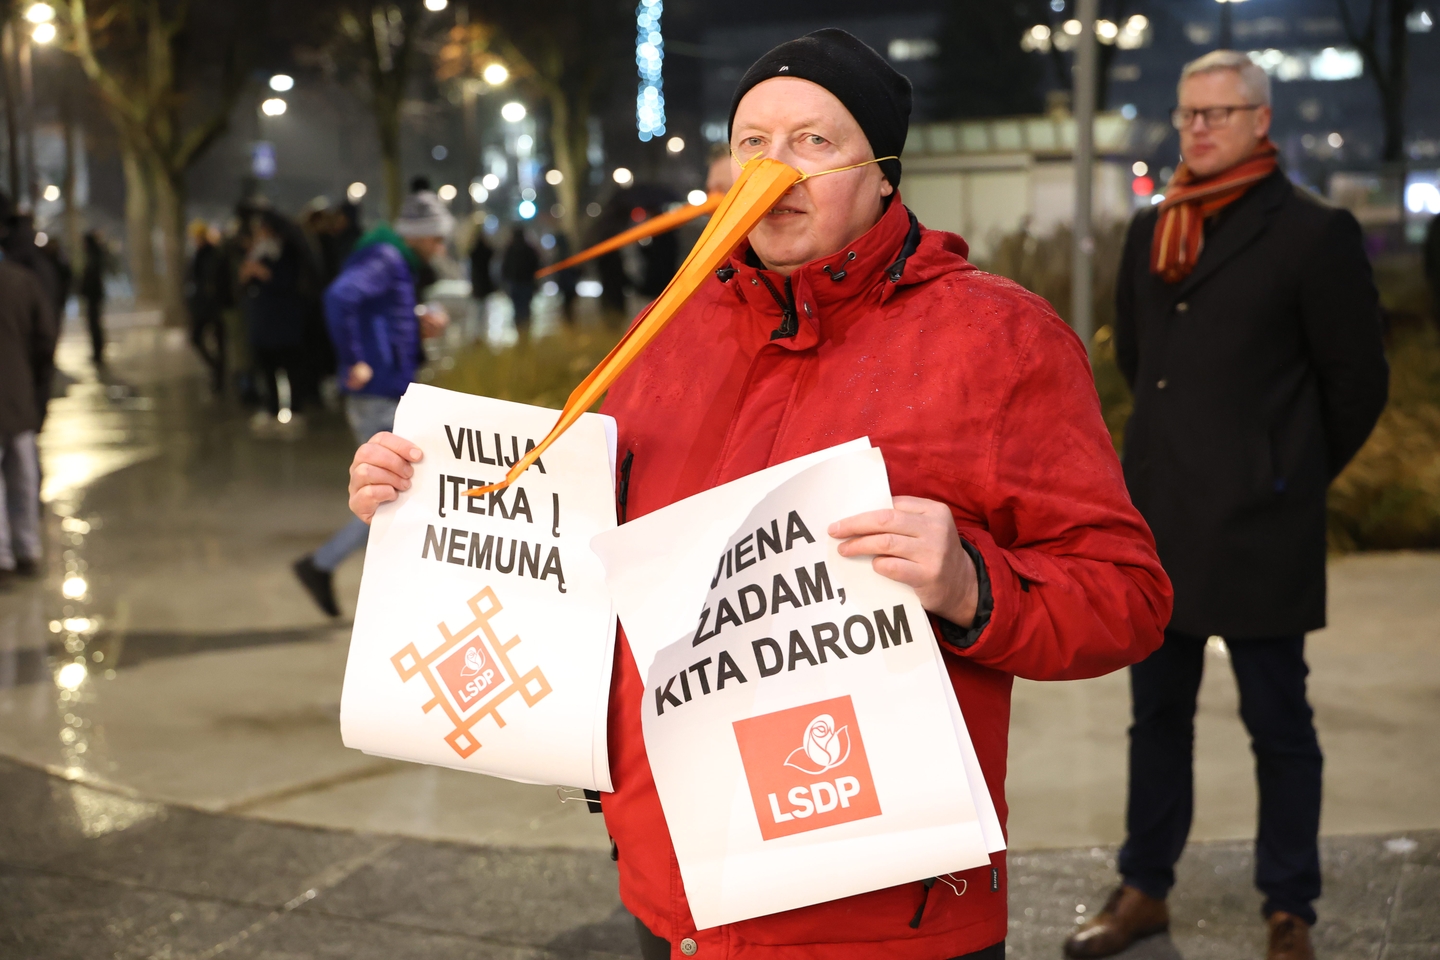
(554, 177)
(74, 588)
(675, 144)
(40, 13)
(43, 33)
(52, 193)
(435, 6)
(478, 193)
(513, 112)
(696, 197)
(273, 107)
(282, 82)
(622, 176)
(355, 192)
(447, 192)
(490, 182)
(495, 74)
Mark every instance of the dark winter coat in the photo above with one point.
(1256, 379)
(979, 397)
(27, 343)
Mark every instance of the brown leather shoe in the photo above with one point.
(1127, 916)
(1289, 938)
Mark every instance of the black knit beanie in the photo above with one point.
(875, 93)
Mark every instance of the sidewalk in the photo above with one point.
(85, 873)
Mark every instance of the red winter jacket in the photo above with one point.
(980, 397)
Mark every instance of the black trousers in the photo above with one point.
(1270, 674)
(657, 948)
(94, 319)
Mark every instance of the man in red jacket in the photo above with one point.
(842, 317)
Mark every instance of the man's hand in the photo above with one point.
(433, 320)
(916, 543)
(380, 470)
(358, 375)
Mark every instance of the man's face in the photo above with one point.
(1210, 150)
(426, 247)
(806, 126)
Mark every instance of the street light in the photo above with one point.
(447, 192)
(622, 176)
(675, 144)
(696, 197)
(273, 107)
(40, 13)
(43, 33)
(478, 193)
(435, 6)
(355, 192)
(52, 193)
(513, 112)
(282, 82)
(495, 74)
(490, 182)
(554, 177)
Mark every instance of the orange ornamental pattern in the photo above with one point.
(470, 674)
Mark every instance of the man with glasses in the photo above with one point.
(1248, 327)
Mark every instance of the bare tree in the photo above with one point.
(1390, 72)
(166, 105)
(567, 51)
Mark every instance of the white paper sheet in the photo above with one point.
(484, 634)
(914, 806)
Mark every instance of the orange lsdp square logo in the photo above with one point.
(806, 768)
(471, 673)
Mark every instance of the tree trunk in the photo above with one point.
(73, 246)
(568, 145)
(12, 99)
(139, 224)
(169, 192)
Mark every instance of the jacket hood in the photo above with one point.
(382, 232)
(896, 252)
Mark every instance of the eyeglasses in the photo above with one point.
(1182, 117)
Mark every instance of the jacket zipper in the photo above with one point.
(789, 321)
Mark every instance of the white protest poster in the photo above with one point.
(803, 734)
(484, 633)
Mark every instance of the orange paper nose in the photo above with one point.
(655, 225)
(760, 184)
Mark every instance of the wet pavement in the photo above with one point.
(85, 873)
(169, 698)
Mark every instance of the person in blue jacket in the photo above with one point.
(371, 314)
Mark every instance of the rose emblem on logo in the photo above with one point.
(474, 660)
(824, 747)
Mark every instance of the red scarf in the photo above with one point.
(1180, 231)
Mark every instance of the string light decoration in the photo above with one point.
(650, 59)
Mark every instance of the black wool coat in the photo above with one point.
(27, 345)
(1256, 379)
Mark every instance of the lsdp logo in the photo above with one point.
(806, 768)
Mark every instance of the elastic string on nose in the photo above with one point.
(820, 173)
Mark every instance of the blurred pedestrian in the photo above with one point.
(207, 293)
(661, 256)
(567, 280)
(719, 178)
(1248, 328)
(271, 278)
(1432, 264)
(517, 272)
(92, 291)
(481, 255)
(28, 331)
(371, 313)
